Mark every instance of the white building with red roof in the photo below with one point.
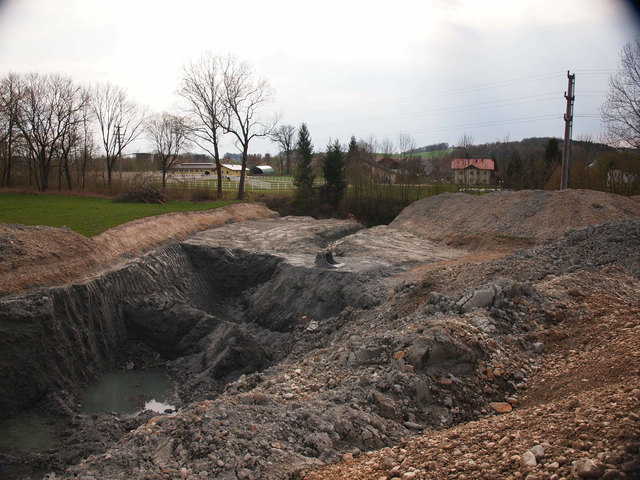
(472, 171)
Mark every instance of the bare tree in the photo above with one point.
(74, 136)
(9, 131)
(465, 143)
(202, 88)
(85, 147)
(621, 111)
(406, 144)
(411, 163)
(46, 114)
(120, 121)
(245, 97)
(169, 134)
(387, 147)
(285, 137)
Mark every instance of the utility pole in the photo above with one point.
(568, 126)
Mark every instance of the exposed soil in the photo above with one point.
(36, 256)
(439, 348)
(511, 219)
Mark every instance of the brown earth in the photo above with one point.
(506, 220)
(580, 409)
(38, 256)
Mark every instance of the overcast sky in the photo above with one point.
(434, 69)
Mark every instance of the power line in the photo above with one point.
(443, 93)
(463, 108)
(513, 121)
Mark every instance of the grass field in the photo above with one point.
(85, 215)
(434, 154)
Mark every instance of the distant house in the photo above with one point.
(621, 182)
(472, 171)
(382, 170)
(389, 163)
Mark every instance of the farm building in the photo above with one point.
(197, 168)
(262, 170)
(472, 171)
(230, 170)
(206, 169)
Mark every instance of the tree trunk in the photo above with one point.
(9, 148)
(67, 173)
(243, 171)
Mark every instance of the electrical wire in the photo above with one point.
(455, 91)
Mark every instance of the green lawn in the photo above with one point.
(435, 154)
(86, 215)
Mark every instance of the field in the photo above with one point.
(88, 216)
(436, 153)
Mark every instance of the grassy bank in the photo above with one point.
(86, 215)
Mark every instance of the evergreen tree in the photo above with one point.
(352, 151)
(304, 174)
(334, 170)
(514, 172)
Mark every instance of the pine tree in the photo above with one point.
(334, 170)
(352, 151)
(304, 174)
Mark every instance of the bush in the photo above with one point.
(139, 189)
(142, 195)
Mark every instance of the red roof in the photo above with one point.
(480, 163)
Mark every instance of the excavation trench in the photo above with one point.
(201, 312)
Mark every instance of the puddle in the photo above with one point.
(130, 392)
(29, 432)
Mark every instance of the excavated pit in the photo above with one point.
(224, 303)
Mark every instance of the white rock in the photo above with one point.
(538, 451)
(529, 459)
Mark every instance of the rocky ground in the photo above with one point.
(456, 363)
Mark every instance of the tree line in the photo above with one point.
(57, 125)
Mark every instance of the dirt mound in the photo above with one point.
(35, 256)
(527, 217)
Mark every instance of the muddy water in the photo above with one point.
(130, 392)
(28, 432)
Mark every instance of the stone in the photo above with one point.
(386, 406)
(481, 298)
(538, 347)
(501, 407)
(413, 426)
(529, 459)
(538, 452)
(611, 474)
(319, 441)
(586, 468)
